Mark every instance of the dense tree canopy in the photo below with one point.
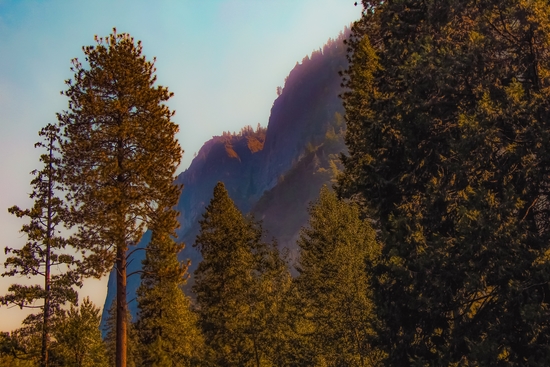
(335, 250)
(78, 338)
(447, 133)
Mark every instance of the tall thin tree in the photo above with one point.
(336, 250)
(44, 249)
(238, 285)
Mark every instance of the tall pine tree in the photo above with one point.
(134, 355)
(447, 130)
(120, 155)
(44, 255)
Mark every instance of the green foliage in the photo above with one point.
(447, 140)
(78, 338)
(336, 249)
(120, 156)
(239, 286)
(12, 352)
(167, 328)
(45, 248)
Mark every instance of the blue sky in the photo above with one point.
(222, 59)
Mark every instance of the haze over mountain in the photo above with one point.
(272, 173)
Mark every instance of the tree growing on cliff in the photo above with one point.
(447, 137)
(120, 155)
(45, 250)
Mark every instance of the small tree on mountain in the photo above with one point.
(45, 254)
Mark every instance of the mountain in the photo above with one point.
(272, 173)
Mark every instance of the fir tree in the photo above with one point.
(236, 285)
(45, 249)
(120, 155)
(167, 328)
(335, 251)
(446, 134)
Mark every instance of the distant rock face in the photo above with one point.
(272, 173)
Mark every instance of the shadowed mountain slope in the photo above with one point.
(271, 172)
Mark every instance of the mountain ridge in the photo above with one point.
(263, 169)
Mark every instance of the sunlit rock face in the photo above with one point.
(272, 173)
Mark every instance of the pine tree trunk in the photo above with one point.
(121, 308)
(256, 353)
(45, 325)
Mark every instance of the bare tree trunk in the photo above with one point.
(45, 325)
(44, 360)
(121, 308)
(256, 352)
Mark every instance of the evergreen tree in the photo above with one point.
(237, 286)
(335, 251)
(78, 338)
(447, 151)
(167, 328)
(120, 156)
(269, 329)
(45, 249)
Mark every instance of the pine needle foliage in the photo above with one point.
(239, 286)
(14, 352)
(45, 254)
(120, 155)
(447, 109)
(167, 328)
(78, 338)
(336, 250)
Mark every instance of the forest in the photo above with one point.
(429, 247)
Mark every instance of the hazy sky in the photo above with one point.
(222, 59)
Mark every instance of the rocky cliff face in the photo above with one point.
(272, 173)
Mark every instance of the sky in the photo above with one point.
(222, 59)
